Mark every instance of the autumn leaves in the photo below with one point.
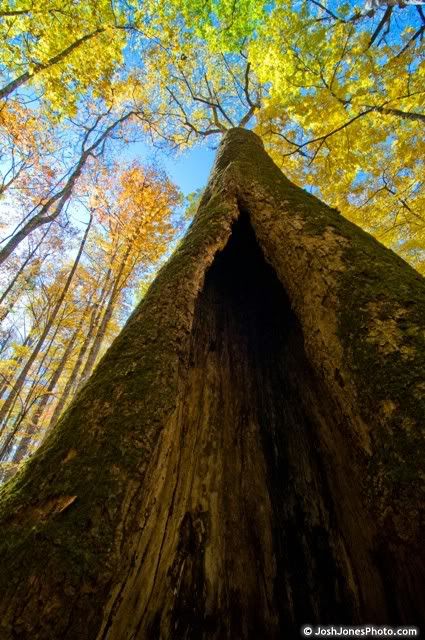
(80, 81)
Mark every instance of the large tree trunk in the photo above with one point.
(247, 456)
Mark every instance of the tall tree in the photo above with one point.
(137, 210)
(340, 114)
(334, 92)
(6, 406)
(133, 207)
(248, 454)
(75, 373)
(63, 47)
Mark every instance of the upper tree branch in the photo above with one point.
(24, 77)
(59, 200)
(322, 139)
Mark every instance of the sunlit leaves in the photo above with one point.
(60, 47)
(131, 209)
(345, 117)
(224, 24)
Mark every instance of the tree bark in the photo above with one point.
(247, 456)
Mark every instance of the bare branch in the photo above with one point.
(418, 34)
(328, 11)
(321, 139)
(385, 19)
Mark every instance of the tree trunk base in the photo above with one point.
(253, 517)
(248, 455)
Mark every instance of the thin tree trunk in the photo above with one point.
(71, 383)
(59, 200)
(6, 384)
(35, 419)
(75, 377)
(20, 381)
(106, 318)
(247, 456)
(4, 341)
(12, 431)
(26, 440)
(20, 271)
(98, 340)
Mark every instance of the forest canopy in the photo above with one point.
(335, 90)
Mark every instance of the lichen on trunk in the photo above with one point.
(235, 467)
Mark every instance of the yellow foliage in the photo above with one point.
(346, 118)
(63, 47)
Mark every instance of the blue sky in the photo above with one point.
(191, 169)
(188, 170)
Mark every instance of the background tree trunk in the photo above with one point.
(20, 380)
(51, 387)
(247, 456)
(101, 328)
(34, 430)
(75, 376)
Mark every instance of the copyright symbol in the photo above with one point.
(307, 630)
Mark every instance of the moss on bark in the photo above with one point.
(69, 518)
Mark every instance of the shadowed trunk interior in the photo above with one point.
(271, 403)
(255, 522)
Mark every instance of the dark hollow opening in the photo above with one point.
(286, 541)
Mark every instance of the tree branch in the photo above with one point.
(28, 75)
(322, 139)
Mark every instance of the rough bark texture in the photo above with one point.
(248, 455)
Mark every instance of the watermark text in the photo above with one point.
(363, 631)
